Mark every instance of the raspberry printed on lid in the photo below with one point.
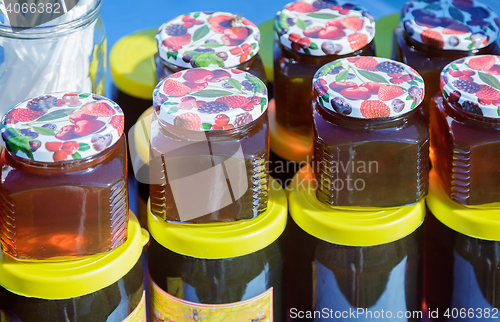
(450, 24)
(324, 27)
(472, 84)
(212, 98)
(368, 87)
(62, 127)
(201, 39)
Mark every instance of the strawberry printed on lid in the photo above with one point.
(212, 98)
(324, 27)
(472, 84)
(368, 87)
(62, 127)
(202, 39)
(450, 24)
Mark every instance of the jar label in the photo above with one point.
(165, 307)
(139, 314)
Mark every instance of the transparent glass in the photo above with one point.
(111, 304)
(461, 273)
(177, 154)
(322, 275)
(64, 55)
(293, 77)
(465, 153)
(429, 62)
(64, 209)
(380, 162)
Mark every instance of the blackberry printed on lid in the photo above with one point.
(202, 39)
(204, 99)
(62, 127)
(324, 27)
(368, 87)
(472, 84)
(450, 24)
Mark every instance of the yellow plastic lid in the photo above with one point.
(64, 280)
(285, 143)
(132, 64)
(349, 226)
(476, 222)
(224, 240)
(141, 134)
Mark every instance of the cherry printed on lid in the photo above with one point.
(450, 24)
(202, 99)
(368, 87)
(62, 127)
(324, 27)
(202, 39)
(472, 84)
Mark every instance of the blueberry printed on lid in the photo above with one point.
(62, 127)
(368, 87)
(212, 98)
(472, 84)
(201, 39)
(450, 24)
(324, 27)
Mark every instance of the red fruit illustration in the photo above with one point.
(356, 93)
(456, 73)
(67, 133)
(174, 88)
(488, 93)
(294, 37)
(353, 23)
(366, 63)
(25, 115)
(432, 38)
(196, 87)
(331, 32)
(304, 42)
(60, 155)
(175, 75)
(79, 115)
(190, 121)
(482, 63)
(302, 7)
(389, 92)
(335, 22)
(467, 78)
(219, 75)
(372, 86)
(256, 100)
(70, 147)
(187, 103)
(118, 122)
(236, 51)
(234, 101)
(313, 32)
(371, 109)
(339, 86)
(219, 23)
(242, 119)
(175, 43)
(86, 127)
(357, 40)
(198, 75)
(221, 120)
(228, 127)
(455, 29)
(226, 40)
(238, 33)
(99, 109)
(53, 146)
(495, 70)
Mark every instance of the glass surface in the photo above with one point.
(65, 208)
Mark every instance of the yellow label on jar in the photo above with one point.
(139, 314)
(165, 307)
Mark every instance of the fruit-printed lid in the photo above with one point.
(62, 127)
(368, 87)
(450, 24)
(472, 84)
(203, 99)
(324, 27)
(201, 39)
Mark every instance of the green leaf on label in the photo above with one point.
(173, 109)
(320, 99)
(492, 28)
(445, 94)
(307, 51)
(172, 54)
(412, 83)
(433, 7)
(20, 143)
(498, 110)
(419, 80)
(169, 103)
(408, 98)
(412, 105)
(84, 95)
(326, 98)
(454, 67)
(342, 75)
(56, 115)
(490, 80)
(258, 86)
(207, 59)
(200, 33)
(263, 102)
(313, 46)
(337, 63)
(234, 83)
(456, 13)
(196, 15)
(468, 38)
(83, 147)
(76, 156)
(212, 93)
(44, 131)
(301, 24)
(206, 126)
(372, 76)
(470, 46)
(211, 45)
(254, 45)
(322, 15)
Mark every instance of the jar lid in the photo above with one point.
(73, 278)
(368, 87)
(450, 25)
(324, 27)
(201, 39)
(477, 222)
(472, 84)
(224, 240)
(349, 226)
(62, 126)
(203, 99)
(132, 65)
